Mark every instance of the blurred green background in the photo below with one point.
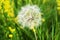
(11, 30)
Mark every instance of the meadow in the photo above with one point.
(10, 29)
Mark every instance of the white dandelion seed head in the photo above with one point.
(29, 15)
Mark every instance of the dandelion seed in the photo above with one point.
(29, 15)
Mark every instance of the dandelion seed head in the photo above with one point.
(29, 15)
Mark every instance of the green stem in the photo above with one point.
(35, 33)
(52, 32)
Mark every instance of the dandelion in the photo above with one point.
(29, 15)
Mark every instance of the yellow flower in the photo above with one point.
(59, 13)
(58, 1)
(1, 1)
(7, 5)
(7, 8)
(12, 30)
(6, 2)
(10, 35)
(44, 1)
(10, 14)
(0, 7)
(12, 4)
(58, 8)
(12, 10)
(15, 20)
(43, 20)
(58, 4)
(9, 27)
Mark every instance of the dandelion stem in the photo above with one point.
(35, 33)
